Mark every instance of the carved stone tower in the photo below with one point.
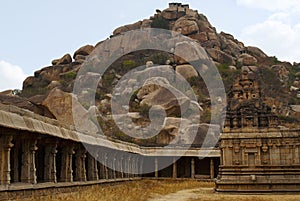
(256, 156)
(246, 110)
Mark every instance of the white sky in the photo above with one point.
(33, 33)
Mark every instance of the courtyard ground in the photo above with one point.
(159, 190)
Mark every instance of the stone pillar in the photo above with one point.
(129, 167)
(156, 167)
(16, 176)
(80, 172)
(110, 165)
(133, 167)
(126, 170)
(121, 166)
(50, 163)
(212, 168)
(192, 168)
(102, 164)
(105, 166)
(92, 168)
(136, 170)
(141, 171)
(28, 169)
(5, 147)
(66, 163)
(114, 163)
(118, 168)
(174, 168)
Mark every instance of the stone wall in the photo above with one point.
(260, 162)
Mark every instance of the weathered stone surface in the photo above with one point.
(157, 95)
(7, 92)
(146, 24)
(129, 27)
(24, 103)
(169, 14)
(187, 71)
(212, 36)
(256, 52)
(282, 72)
(54, 84)
(84, 51)
(220, 56)
(186, 26)
(247, 60)
(201, 37)
(204, 26)
(171, 133)
(184, 50)
(230, 45)
(61, 105)
(66, 59)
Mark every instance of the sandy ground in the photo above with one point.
(183, 195)
(208, 194)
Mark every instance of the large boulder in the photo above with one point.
(157, 95)
(201, 37)
(187, 71)
(66, 59)
(247, 60)
(204, 26)
(256, 52)
(230, 45)
(128, 27)
(185, 54)
(220, 56)
(186, 25)
(25, 103)
(62, 104)
(84, 51)
(171, 133)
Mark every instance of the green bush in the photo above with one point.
(128, 65)
(70, 75)
(160, 23)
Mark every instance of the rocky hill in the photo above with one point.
(48, 91)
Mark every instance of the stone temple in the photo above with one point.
(256, 155)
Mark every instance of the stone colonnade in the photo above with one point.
(42, 159)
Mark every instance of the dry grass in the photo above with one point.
(126, 191)
(145, 189)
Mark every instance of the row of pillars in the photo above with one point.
(27, 161)
(193, 172)
(21, 160)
